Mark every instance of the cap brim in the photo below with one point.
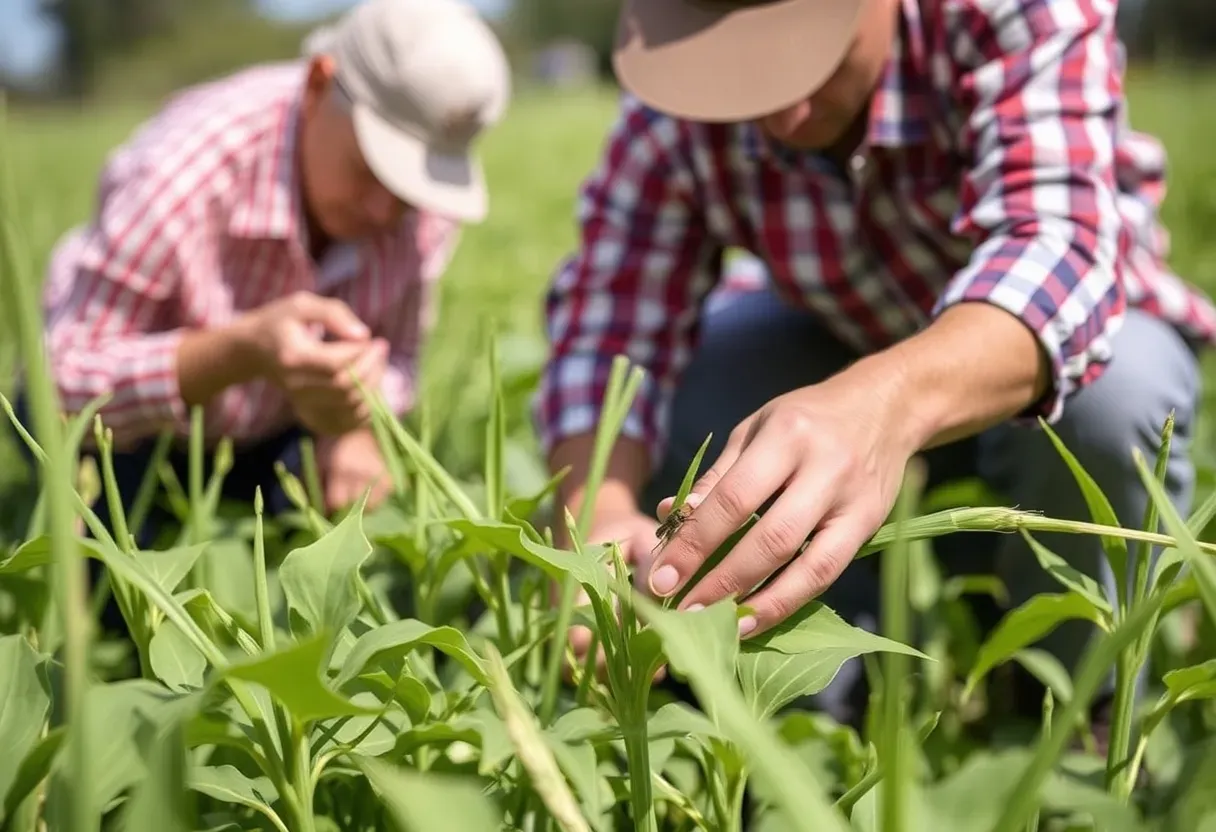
(717, 61)
(447, 183)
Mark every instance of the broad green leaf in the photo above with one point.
(293, 676)
(24, 706)
(320, 580)
(29, 555)
(531, 748)
(227, 784)
(702, 647)
(398, 638)
(33, 769)
(158, 801)
(424, 802)
(973, 797)
(174, 659)
(585, 569)
(1071, 578)
(1194, 682)
(1100, 508)
(1025, 626)
(170, 567)
(802, 655)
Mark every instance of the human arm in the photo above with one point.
(644, 263)
(1023, 325)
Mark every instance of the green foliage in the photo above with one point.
(395, 668)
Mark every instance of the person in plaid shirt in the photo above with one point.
(273, 235)
(960, 237)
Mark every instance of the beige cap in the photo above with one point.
(425, 78)
(730, 60)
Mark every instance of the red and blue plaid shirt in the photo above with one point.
(199, 219)
(998, 167)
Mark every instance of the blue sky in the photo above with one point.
(26, 41)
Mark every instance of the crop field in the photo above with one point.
(405, 669)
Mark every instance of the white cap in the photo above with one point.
(425, 79)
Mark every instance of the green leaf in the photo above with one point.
(320, 581)
(423, 802)
(1100, 509)
(1025, 626)
(171, 566)
(702, 647)
(1048, 670)
(690, 474)
(34, 768)
(802, 655)
(157, 802)
(174, 659)
(396, 639)
(24, 706)
(531, 748)
(1077, 581)
(1194, 682)
(1203, 565)
(293, 676)
(228, 785)
(504, 537)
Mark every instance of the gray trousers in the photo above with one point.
(754, 347)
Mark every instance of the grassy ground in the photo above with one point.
(535, 162)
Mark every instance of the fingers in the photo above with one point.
(758, 472)
(769, 545)
(826, 557)
(333, 315)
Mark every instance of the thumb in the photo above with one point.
(333, 315)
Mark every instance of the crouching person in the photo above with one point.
(269, 237)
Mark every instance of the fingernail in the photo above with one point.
(695, 607)
(746, 624)
(694, 500)
(665, 580)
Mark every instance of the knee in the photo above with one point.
(1153, 373)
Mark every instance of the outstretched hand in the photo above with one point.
(833, 457)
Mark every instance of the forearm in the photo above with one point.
(624, 476)
(975, 366)
(210, 361)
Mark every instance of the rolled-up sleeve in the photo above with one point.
(634, 287)
(1040, 84)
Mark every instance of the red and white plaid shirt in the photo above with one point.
(198, 219)
(998, 166)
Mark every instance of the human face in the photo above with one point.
(824, 118)
(343, 198)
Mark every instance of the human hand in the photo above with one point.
(318, 376)
(834, 455)
(351, 464)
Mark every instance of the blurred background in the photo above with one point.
(79, 75)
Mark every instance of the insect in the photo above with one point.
(668, 528)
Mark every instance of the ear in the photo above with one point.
(317, 83)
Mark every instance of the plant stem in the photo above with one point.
(303, 782)
(637, 754)
(70, 584)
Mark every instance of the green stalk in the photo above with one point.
(304, 820)
(617, 401)
(69, 585)
(894, 751)
(1132, 659)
